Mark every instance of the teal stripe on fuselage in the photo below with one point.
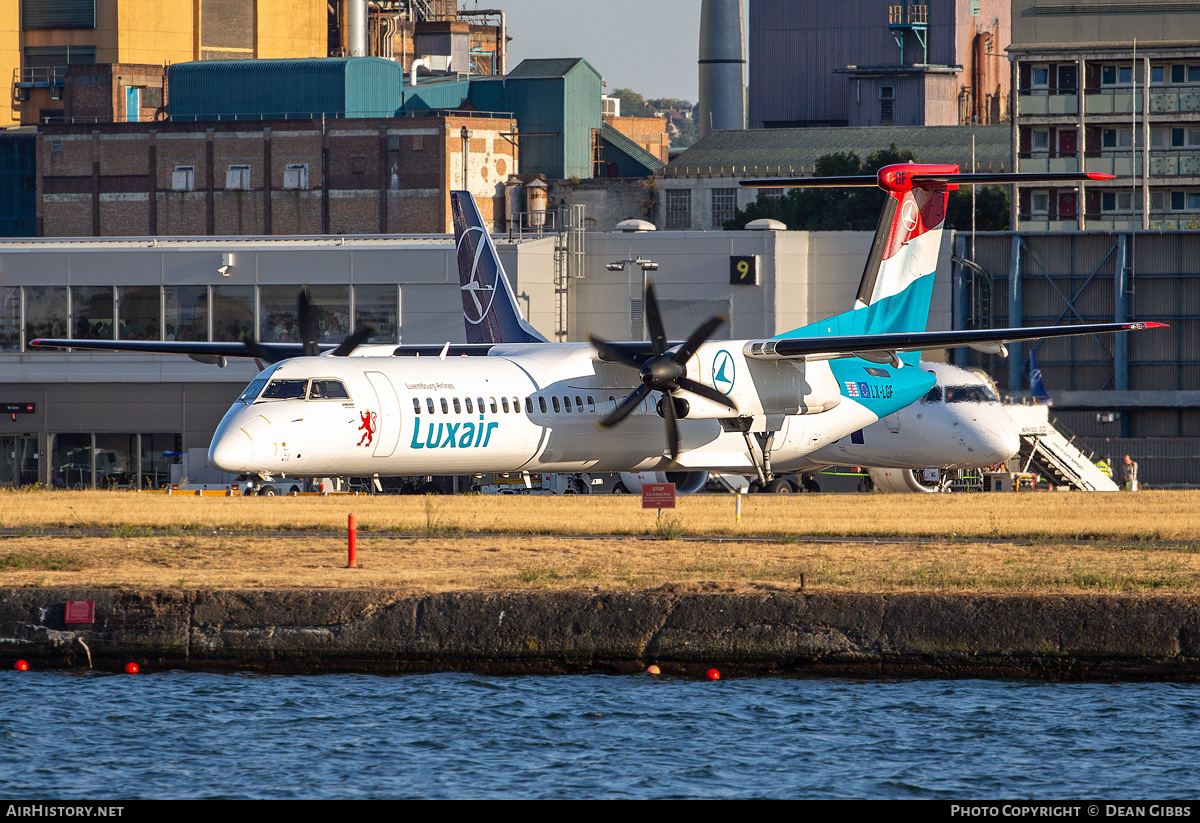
(903, 312)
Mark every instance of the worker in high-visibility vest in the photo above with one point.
(1103, 466)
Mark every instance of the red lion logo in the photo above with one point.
(367, 427)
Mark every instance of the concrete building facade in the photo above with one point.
(1111, 88)
(877, 63)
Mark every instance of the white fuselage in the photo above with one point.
(532, 408)
(960, 424)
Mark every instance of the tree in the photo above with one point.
(991, 209)
(832, 209)
(632, 104)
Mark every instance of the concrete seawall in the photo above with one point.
(684, 631)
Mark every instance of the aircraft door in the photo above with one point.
(387, 433)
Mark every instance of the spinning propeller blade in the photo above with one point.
(664, 372)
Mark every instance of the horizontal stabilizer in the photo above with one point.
(895, 178)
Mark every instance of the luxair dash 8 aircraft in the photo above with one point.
(728, 405)
(959, 423)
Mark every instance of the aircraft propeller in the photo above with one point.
(306, 320)
(665, 371)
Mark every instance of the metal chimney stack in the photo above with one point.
(722, 66)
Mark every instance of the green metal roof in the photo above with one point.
(635, 152)
(768, 152)
(549, 67)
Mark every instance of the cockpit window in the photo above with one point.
(285, 390)
(251, 392)
(934, 395)
(328, 390)
(970, 394)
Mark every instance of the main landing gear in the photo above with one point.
(768, 482)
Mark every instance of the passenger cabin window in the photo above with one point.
(516, 405)
(934, 395)
(529, 405)
(445, 405)
(470, 408)
(591, 404)
(504, 404)
(429, 404)
(492, 405)
(578, 403)
(416, 405)
(328, 390)
(285, 390)
(567, 402)
(457, 406)
(479, 400)
(542, 404)
(554, 401)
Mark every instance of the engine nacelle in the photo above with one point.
(903, 481)
(685, 482)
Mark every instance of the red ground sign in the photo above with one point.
(658, 495)
(81, 611)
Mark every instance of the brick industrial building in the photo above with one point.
(384, 175)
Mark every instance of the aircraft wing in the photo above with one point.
(192, 349)
(279, 351)
(884, 347)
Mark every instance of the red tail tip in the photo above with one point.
(1155, 326)
(1099, 175)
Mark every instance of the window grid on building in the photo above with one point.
(679, 208)
(724, 205)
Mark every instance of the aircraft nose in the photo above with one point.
(231, 451)
(242, 445)
(1000, 440)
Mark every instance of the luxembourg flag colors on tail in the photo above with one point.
(489, 306)
(897, 284)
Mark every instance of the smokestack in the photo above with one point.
(354, 38)
(722, 66)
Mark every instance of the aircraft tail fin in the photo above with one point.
(897, 283)
(490, 309)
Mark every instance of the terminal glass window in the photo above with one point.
(277, 314)
(378, 306)
(71, 461)
(331, 309)
(114, 460)
(45, 312)
(233, 313)
(185, 313)
(10, 318)
(92, 313)
(158, 453)
(138, 309)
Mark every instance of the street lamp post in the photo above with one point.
(646, 266)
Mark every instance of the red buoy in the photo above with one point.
(653, 670)
(712, 674)
(21, 666)
(131, 668)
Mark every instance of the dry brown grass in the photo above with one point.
(1135, 543)
(450, 563)
(1151, 515)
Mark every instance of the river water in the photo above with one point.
(67, 736)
